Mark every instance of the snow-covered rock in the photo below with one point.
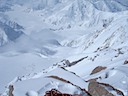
(31, 93)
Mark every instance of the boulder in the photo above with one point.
(98, 69)
(96, 89)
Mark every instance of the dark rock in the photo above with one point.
(55, 92)
(11, 89)
(126, 62)
(96, 89)
(98, 69)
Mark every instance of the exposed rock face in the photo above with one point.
(102, 89)
(11, 89)
(69, 64)
(98, 69)
(118, 92)
(97, 90)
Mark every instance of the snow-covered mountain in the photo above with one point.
(10, 30)
(68, 45)
(3, 37)
(111, 5)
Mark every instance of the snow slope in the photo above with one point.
(47, 44)
(114, 6)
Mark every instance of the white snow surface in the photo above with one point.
(46, 34)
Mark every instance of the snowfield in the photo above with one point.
(67, 45)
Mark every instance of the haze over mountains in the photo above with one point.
(42, 41)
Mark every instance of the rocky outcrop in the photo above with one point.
(69, 64)
(98, 69)
(126, 62)
(63, 80)
(11, 89)
(97, 90)
(102, 89)
(120, 93)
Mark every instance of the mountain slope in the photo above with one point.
(56, 44)
(10, 31)
(111, 5)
